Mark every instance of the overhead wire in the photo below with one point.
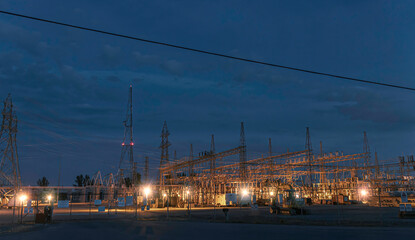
(210, 52)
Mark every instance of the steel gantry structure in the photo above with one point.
(317, 176)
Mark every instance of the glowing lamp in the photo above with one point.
(244, 192)
(363, 192)
(122, 144)
(49, 197)
(147, 191)
(23, 198)
(132, 144)
(271, 193)
(164, 195)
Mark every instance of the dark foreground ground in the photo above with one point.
(323, 215)
(133, 229)
(322, 222)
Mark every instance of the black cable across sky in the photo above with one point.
(210, 53)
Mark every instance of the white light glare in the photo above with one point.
(363, 192)
(147, 191)
(244, 192)
(23, 198)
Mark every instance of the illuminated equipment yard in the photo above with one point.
(319, 177)
(227, 177)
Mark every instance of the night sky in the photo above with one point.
(70, 87)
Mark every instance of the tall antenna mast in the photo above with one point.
(128, 142)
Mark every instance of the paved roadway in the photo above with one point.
(318, 215)
(129, 229)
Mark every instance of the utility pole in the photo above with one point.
(190, 170)
(242, 155)
(377, 176)
(309, 159)
(322, 168)
(164, 146)
(59, 180)
(212, 153)
(271, 161)
(146, 169)
(366, 150)
(212, 171)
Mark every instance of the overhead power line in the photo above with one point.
(210, 52)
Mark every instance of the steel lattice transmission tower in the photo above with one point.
(164, 146)
(9, 165)
(128, 143)
(366, 149)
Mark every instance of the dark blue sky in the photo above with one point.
(70, 86)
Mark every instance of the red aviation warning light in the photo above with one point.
(131, 143)
(122, 144)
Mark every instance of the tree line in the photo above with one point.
(85, 180)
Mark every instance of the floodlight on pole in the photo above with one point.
(147, 191)
(245, 192)
(23, 198)
(363, 192)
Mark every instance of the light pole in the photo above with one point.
(188, 202)
(22, 199)
(147, 191)
(245, 193)
(167, 204)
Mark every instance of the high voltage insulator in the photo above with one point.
(9, 165)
